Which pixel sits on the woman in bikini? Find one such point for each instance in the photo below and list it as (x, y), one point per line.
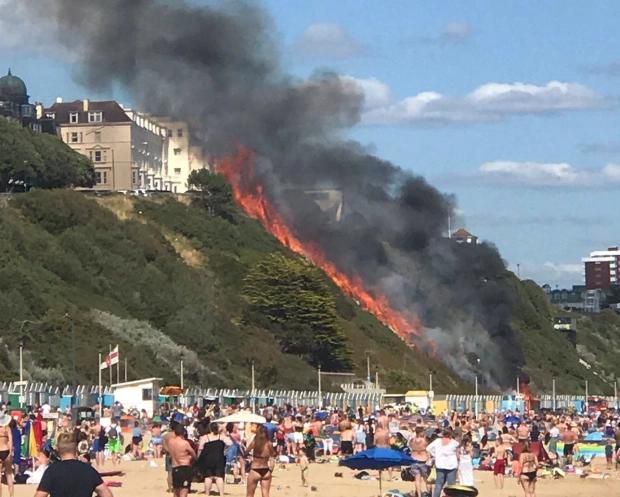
(260, 470)
(529, 466)
(6, 453)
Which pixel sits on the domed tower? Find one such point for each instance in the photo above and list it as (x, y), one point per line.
(13, 89)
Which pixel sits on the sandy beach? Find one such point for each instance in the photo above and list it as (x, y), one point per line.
(141, 480)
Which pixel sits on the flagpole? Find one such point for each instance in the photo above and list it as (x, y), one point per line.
(125, 370)
(100, 394)
(110, 365)
(118, 364)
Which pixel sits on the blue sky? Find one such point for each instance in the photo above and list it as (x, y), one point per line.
(511, 105)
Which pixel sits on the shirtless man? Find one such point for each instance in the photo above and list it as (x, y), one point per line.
(499, 469)
(382, 439)
(346, 438)
(181, 455)
(569, 437)
(523, 433)
(419, 469)
(506, 437)
(382, 436)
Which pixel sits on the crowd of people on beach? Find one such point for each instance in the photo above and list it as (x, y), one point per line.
(193, 446)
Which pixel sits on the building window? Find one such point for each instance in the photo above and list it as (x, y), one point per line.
(177, 151)
(74, 138)
(180, 132)
(149, 182)
(98, 155)
(147, 394)
(134, 177)
(101, 177)
(175, 188)
(169, 133)
(95, 117)
(177, 170)
(74, 117)
(97, 136)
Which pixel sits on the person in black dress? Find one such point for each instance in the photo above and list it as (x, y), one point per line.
(212, 461)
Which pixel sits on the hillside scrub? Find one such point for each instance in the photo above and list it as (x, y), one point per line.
(72, 267)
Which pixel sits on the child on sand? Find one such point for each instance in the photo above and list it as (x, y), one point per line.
(303, 466)
(609, 453)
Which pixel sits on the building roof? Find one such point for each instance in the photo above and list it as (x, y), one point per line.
(112, 112)
(461, 233)
(13, 88)
(136, 382)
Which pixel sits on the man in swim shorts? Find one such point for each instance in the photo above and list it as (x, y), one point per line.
(181, 455)
(419, 469)
(499, 468)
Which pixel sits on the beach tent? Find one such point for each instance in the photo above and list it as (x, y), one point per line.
(595, 436)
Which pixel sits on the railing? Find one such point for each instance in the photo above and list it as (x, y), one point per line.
(87, 395)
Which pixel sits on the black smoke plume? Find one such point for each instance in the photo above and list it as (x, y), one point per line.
(217, 66)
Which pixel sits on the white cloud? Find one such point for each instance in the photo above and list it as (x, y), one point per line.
(563, 274)
(610, 69)
(563, 269)
(495, 219)
(376, 93)
(330, 41)
(549, 175)
(488, 102)
(453, 33)
(612, 172)
(606, 148)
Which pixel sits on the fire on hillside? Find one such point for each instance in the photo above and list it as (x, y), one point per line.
(238, 169)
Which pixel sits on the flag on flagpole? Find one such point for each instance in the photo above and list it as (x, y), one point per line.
(111, 358)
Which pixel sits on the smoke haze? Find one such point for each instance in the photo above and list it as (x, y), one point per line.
(217, 67)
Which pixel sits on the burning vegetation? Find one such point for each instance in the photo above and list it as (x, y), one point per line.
(238, 169)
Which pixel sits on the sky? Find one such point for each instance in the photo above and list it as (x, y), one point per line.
(511, 106)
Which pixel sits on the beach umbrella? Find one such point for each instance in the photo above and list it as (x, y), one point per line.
(243, 417)
(377, 458)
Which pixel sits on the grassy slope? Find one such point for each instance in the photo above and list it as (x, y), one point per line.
(172, 276)
(158, 269)
(235, 248)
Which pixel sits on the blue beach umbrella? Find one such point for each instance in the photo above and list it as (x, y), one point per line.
(377, 458)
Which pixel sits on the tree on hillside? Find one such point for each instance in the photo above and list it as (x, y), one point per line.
(215, 192)
(29, 159)
(19, 159)
(294, 296)
(62, 165)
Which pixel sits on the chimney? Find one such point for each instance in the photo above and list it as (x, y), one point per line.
(39, 110)
(85, 105)
(58, 100)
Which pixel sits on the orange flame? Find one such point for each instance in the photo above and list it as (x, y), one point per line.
(239, 171)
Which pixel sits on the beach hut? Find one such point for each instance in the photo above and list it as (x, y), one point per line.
(138, 394)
